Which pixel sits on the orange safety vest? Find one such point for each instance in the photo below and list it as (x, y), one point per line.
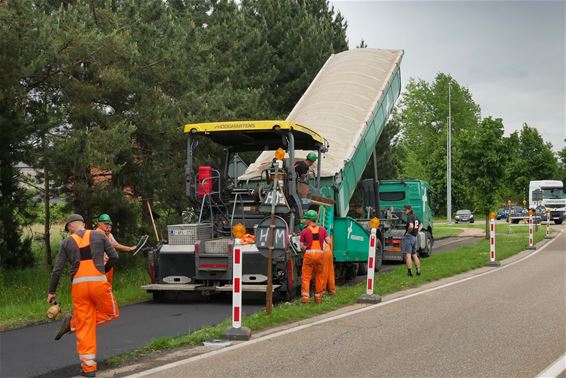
(316, 245)
(87, 271)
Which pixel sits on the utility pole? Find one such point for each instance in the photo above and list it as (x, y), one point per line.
(449, 160)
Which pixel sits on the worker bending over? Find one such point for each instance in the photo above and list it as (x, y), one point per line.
(91, 293)
(312, 239)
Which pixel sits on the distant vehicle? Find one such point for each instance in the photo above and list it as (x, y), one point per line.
(518, 214)
(549, 194)
(502, 214)
(464, 216)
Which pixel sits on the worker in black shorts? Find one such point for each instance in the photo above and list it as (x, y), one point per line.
(409, 241)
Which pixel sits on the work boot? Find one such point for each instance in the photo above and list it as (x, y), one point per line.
(305, 299)
(317, 299)
(88, 374)
(409, 273)
(65, 326)
(418, 271)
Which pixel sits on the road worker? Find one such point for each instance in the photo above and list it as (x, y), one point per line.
(302, 169)
(105, 225)
(312, 239)
(91, 293)
(328, 266)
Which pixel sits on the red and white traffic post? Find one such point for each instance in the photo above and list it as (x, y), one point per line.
(531, 236)
(237, 285)
(492, 261)
(547, 236)
(237, 332)
(369, 296)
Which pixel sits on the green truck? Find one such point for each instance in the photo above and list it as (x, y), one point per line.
(393, 195)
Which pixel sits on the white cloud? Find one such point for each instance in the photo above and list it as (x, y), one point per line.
(511, 55)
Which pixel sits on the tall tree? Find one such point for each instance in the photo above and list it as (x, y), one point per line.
(485, 164)
(530, 159)
(423, 116)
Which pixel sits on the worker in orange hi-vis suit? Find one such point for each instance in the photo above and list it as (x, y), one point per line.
(93, 301)
(312, 239)
(328, 266)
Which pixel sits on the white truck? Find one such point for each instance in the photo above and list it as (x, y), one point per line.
(548, 194)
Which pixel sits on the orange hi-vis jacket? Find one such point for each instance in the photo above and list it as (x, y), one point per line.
(93, 303)
(313, 262)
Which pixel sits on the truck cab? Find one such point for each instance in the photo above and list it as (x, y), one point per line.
(548, 194)
(393, 196)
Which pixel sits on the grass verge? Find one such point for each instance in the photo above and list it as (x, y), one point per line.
(436, 267)
(24, 292)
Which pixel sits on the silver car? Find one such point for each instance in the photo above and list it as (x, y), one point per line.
(464, 216)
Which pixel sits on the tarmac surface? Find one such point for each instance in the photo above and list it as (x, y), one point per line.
(31, 351)
(508, 321)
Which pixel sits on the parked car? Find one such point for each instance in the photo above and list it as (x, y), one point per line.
(502, 214)
(464, 216)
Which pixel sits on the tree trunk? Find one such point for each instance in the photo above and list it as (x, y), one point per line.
(486, 226)
(47, 225)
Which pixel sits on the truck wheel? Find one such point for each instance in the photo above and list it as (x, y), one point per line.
(558, 221)
(515, 221)
(378, 256)
(158, 296)
(362, 269)
(351, 271)
(427, 250)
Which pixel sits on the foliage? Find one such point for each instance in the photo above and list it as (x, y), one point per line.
(485, 162)
(530, 159)
(423, 114)
(96, 93)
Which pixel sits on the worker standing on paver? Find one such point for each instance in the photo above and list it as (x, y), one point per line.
(301, 169)
(312, 239)
(409, 241)
(93, 301)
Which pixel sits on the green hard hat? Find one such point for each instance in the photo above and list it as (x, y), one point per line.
(312, 156)
(105, 218)
(311, 215)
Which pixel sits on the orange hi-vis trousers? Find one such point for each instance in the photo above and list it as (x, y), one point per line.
(328, 273)
(312, 262)
(93, 304)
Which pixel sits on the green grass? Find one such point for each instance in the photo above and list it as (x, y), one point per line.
(444, 231)
(462, 259)
(24, 294)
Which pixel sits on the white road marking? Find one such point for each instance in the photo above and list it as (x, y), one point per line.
(555, 369)
(344, 315)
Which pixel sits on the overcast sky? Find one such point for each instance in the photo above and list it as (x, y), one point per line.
(511, 55)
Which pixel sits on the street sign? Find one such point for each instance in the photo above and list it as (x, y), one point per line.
(280, 236)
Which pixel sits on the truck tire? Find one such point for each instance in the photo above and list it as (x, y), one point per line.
(427, 250)
(158, 296)
(558, 221)
(515, 221)
(378, 256)
(362, 269)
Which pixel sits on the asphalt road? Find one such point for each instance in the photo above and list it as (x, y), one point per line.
(31, 351)
(508, 321)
